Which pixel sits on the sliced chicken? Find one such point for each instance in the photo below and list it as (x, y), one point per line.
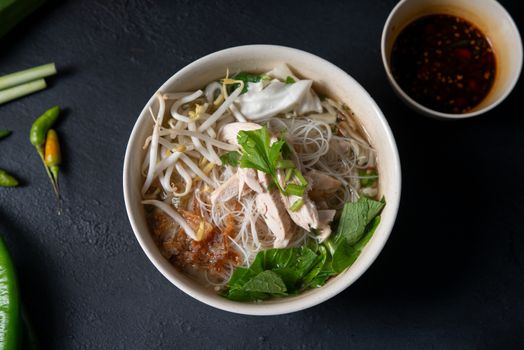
(276, 205)
(230, 131)
(323, 185)
(323, 233)
(248, 177)
(325, 217)
(307, 216)
(229, 189)
(270, 206)
(269, 202)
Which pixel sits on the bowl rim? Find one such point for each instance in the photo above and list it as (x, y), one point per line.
(434, 113)
(290, 305)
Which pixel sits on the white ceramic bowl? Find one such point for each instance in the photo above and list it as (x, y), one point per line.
(490, 17)
(330, 80)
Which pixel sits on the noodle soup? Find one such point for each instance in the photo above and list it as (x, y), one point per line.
(258, 187)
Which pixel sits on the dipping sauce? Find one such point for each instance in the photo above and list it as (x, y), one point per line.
(444, 63)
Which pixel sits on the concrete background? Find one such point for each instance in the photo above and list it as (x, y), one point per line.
(450, 277)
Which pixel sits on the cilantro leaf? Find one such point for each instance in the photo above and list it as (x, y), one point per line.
(259, 153)
(230, 158)
(246, 78)
(289, 80)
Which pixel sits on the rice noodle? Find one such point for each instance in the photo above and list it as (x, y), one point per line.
(183, 162)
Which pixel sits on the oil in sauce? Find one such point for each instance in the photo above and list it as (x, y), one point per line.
(444, 63)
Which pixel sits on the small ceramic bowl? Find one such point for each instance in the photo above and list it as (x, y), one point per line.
(329, 80)
(490, 17)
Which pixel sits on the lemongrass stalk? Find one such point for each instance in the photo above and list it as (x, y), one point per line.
(27, 75)
(21, 90)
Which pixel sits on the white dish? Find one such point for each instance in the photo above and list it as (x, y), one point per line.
(330, 80)
(490, 17)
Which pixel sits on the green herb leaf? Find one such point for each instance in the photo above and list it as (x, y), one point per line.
(246, 78)
(355, 217)
(296, 190)
(368, 177)
(289, 80)
(285, 164)
(301, 178)
(274, 272)
(266, 282)
(356, 226)
(318, 264)
(258, 152)
(289, 173)
(230, 158)
(344, 256)
(297, 205)
(240, 276)
(279, 272)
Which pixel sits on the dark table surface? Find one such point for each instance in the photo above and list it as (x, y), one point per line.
(451, 276)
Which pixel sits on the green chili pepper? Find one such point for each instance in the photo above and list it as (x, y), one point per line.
(10, 316)
(7, 180)
(37, 136)
(52, 154)
(4, 133)
(42, 125)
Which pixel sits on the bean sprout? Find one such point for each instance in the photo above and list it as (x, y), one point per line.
(183, 167)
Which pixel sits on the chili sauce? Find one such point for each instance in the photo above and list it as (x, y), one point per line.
(444, 63)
